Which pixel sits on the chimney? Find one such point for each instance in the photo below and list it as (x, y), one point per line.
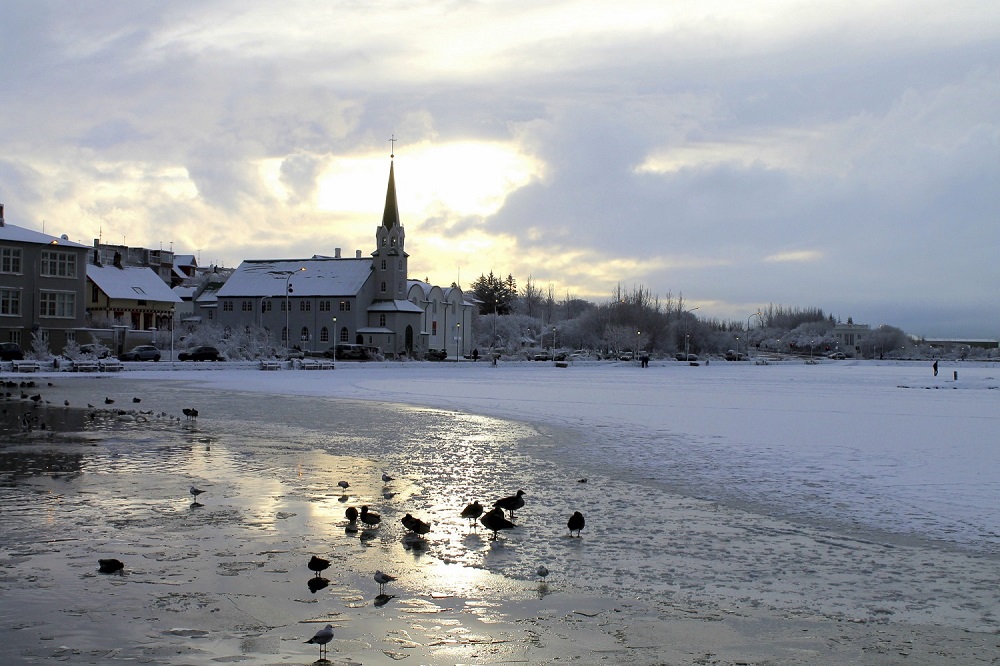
(118, 261)
(336, 252)
(357, 254)
(1, 215)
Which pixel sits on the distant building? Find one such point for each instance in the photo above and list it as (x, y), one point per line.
(325, 300)
(979, 343)
(849, 336)
(134, 296)
(42, 281)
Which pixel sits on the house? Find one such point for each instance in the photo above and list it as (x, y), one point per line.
(133, 296)
(317, 302)
(42, 283)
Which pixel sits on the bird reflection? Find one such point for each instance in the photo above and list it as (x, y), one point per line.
(317, 583)
(196, 504)
(383, 599)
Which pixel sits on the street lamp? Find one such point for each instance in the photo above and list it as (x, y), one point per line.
(687, 338)
(755, 314)
(458, 341)
(288, 289)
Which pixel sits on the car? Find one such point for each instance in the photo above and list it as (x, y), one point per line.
(100, 351)
(347, 352)
(733, 355)
(141, 353)
(837, 356)
(11, 351)
(681, 356)
(542, 356)
(200, 354)
(436, 355)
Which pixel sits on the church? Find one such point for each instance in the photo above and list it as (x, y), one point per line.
(315, 303)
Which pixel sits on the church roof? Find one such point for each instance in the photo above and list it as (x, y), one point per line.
(390, 217)
(395, 306)
(323, 276)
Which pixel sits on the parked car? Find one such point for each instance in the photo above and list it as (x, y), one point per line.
(680, 356)
(733, 355)
(200, 354)
(625, 356)
(436, 355)
(10, 351)
(141, 353)
(837, 356)
(347, 352)
(100, 351)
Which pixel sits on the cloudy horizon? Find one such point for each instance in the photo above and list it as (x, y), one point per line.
(844, 156)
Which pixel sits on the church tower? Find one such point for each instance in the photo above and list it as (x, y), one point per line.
(390, 256)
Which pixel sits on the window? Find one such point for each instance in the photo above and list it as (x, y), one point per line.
(141, 301)
(15, 337)
(305, 306)
(10, 260)
(58, 264)
(381, 320)
(324, 306)
(10, 302)
(70, 336)
(345, 306)
(393, 241)
(434, 328)
(383, 287)
(343, 334)
(383, 264)
(95, 293)
(324, 334)
(227, 306)
(283, 305)
(400, 265)
(304, 334)
(284, 334)
(57, 304)
(384, 241)
(265, 306)
(247, 306)
(211, 314)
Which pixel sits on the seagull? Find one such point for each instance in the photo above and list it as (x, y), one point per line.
(472, 512)
(542, 571)
(383, 579)
(494, 522)
(416, 525)
(322, 637)
(351, 514)
(318, 564)
(344, 485)
(386, 478)
(576, 523)
(369, 518)
(110, 565)
(195, 492)
(511, 504)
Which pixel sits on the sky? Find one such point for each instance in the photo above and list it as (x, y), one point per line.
(844, 155)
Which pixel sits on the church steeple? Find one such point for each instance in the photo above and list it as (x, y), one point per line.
(390, 217)
(389, 256)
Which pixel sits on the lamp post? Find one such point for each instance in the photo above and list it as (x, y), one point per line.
(288, 287)
(335, 339)
(755, 314)
(687, 338)
(459, 343)
(638, 344)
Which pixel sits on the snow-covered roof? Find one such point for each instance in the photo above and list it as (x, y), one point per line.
(323, 276)
(184, 293)
(10, 232)
(131, 282)
(394, 306)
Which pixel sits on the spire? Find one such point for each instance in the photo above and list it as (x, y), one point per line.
(390, 218)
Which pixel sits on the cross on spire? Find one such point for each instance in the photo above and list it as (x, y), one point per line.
(392, 146)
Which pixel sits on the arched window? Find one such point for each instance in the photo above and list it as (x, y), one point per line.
(393, 241)
(383, 264)
(343, 334)
(284, 334)
(383, 287)
(304, 334)
(305, 306)
(324, 334)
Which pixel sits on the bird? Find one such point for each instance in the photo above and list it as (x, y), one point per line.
(576, 523)
(386, 478)
(382, 579)
(109, 401)
(472, 512)
(322, 637)
(344, 485)
(351, 514)
(511, 504)
(369, 518)
(110, 565)
(195, 492)
(136, 399)
(542, 571)
(190, 412)
(584, 480)
(317, 583)
(318, 564)
(416, 525)
(494, 521)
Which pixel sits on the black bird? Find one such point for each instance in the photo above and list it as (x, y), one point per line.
(351, 514)
(494, 522)
(109, 401)
(110, 565)
(472, 512)
(369, 518)
(136, 399)
(190, 412)
(576, 523)
(416, 525)
(511, 504)
(37, 398)
(318, 564)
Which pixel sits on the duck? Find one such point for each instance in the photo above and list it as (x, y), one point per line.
(369, 518)
(416, 525)
(576, 523)
(318, 564)
(472, 512)
(494, 521)
(511, 504)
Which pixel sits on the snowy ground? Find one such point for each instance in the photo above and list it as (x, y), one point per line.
(754, 514)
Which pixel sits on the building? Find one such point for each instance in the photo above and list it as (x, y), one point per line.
(315, 303)
(850, 336)
(134, 296)
(42, 282)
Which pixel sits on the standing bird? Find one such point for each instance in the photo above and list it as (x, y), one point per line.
(511, 504)
(318, 564)
(494, 522)
(344, 485)
(322, 637)
(416, 525)
(351, 514)
(542, 571)
(386, 478)
(576, 523)
(190, 412)
(110, 565)
(195, 492)
(472, 512)
(369, 518)
(383, 579)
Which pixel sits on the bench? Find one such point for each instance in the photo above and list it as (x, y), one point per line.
(270, 365)
(111, 366)
(26, 366)
(316, 364)
(85, 366)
